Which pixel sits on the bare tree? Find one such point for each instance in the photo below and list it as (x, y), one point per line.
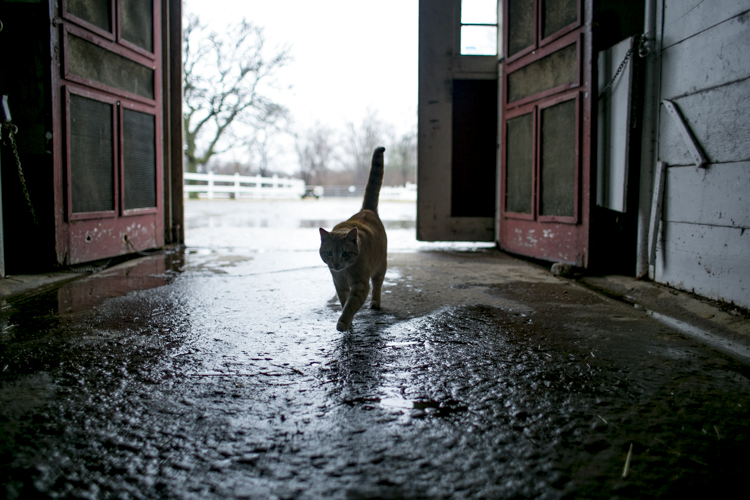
(226, 78)
(315, 149)
(359, 143)
(403, 156)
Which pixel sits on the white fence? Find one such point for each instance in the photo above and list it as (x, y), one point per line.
(213, 186)
(240, 186)
(399, 193)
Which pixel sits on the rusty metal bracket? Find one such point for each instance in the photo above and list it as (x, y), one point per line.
(687, 136)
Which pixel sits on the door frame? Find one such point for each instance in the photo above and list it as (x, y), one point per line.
(440, 63)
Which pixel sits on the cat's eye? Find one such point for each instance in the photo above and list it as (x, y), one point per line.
(345, 254)
(330, 254)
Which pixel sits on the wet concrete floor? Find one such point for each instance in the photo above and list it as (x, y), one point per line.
(217, 372)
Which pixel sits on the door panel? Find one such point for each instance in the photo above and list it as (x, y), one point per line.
(546, 75)
(138, 160)
(95, 15)
(92, 156)
(136, 19)
(558, 160)
(521, 33)
(519, 165)
(546, 125)
(558, 17)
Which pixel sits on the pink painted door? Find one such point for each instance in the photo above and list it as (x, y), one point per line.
(546, 131)
(107, 104)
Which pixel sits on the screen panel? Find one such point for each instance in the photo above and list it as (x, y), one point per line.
(551, 71)
(519, 164)
(95, 63)
(557, 163)
(137, 22)
(96, 12)
(139, 159)
(521, 25)
(91, 155)
(558, 14)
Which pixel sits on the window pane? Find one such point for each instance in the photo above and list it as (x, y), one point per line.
(100, 65)
(478, 11)
(478, 40)
(139, 159)
(520, 25)
(556, 69)
(558, 161)
(519, 164)
(91, 155)
(558, 14)
(97, 12)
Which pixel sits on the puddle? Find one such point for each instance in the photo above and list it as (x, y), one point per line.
(400, 344)
(140, 274)
(425, 407)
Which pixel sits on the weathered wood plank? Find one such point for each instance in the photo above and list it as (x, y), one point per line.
(710, 261)
(718, 119)
(718, 195)
(685, 18)
(713, 57)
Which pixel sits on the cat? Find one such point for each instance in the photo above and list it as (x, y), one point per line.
(356, 250)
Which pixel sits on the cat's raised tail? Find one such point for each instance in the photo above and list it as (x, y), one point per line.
(372, 191)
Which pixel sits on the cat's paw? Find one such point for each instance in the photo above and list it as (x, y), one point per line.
(342, 325)
(374, 305)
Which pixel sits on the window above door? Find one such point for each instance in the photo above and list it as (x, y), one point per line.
(479, 28)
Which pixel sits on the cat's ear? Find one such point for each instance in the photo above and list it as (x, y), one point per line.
(352, 235)
(324, 234)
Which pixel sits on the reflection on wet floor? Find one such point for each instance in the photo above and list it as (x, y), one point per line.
(139, 274)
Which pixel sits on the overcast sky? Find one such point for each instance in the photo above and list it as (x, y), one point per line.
(348, 55)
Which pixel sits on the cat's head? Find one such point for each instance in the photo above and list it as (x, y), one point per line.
(338, 250)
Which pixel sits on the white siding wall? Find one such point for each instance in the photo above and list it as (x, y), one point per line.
(705, 238)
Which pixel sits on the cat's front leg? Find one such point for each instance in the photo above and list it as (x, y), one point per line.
(357, 297)
(343, 293)
(377, 285)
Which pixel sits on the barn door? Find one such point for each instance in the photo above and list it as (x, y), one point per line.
(457, 120)
(546, 130)
(108, 106)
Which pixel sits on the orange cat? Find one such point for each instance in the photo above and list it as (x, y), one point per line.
(356, 250)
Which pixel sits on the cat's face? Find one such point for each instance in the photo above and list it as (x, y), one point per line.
(337, 250)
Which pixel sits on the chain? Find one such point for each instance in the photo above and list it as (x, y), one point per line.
(642, 52)
(10, 140)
